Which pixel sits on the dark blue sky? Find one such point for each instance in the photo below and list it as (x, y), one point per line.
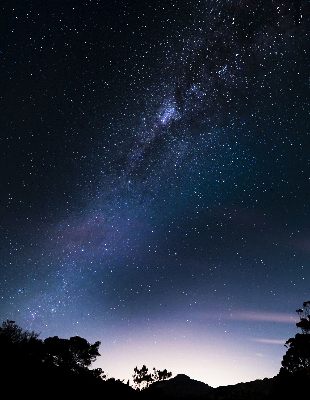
(155, 180)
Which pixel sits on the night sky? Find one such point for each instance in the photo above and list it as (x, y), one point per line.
(155, 179)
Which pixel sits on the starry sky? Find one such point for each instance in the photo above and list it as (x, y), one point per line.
(155, 179)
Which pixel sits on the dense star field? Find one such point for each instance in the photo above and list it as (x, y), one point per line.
(155, 179)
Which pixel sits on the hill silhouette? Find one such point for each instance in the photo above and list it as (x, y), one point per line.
(253, 390)
(181, 386)
(184, 388)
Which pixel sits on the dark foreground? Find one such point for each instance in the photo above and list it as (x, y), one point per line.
(21, 380)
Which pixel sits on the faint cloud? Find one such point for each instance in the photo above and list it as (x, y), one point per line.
(302, 243)
(263, 317)
(255, 316)
(270, 341)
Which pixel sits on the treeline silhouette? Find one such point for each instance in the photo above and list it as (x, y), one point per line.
(61, 367)
(52, 367)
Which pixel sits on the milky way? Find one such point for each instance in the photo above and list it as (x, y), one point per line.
(155, 175)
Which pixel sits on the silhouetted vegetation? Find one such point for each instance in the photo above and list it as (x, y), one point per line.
(54, 367)
(61, 367)
(142, 379)
(75, 353)
(294, 376)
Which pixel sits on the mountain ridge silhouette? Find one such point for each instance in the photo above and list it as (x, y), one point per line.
(183, 387)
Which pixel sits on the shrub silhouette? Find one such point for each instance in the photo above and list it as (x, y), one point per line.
(142, 379)
(75, 354)
(61, 366)
(294, 376)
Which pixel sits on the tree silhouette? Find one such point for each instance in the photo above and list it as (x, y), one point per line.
(142, 379)
(58, 365)
(16, 342)
(160, 375)
(294, 375)
(74, 353)
(297, 357)
(15, 334)
(304, 315)
(99, 373)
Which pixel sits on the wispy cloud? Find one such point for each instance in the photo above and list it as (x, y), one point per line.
(270, 341)
(263, 316)
(252, 316)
